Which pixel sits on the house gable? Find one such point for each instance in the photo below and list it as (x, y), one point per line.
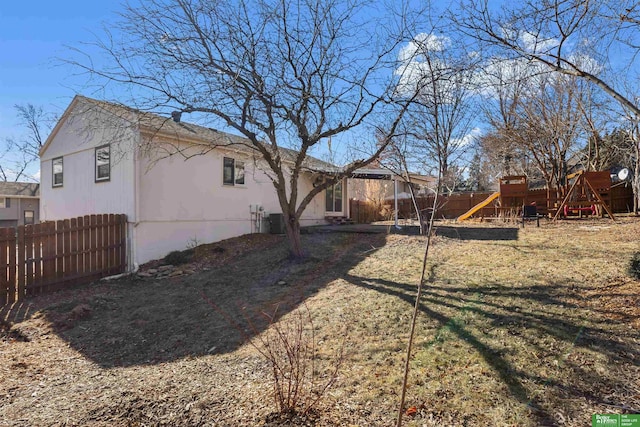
(74, 190)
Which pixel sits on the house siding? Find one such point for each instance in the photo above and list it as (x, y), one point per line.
(13, 216)
(80, 194)
(9, 216)
(185, 201)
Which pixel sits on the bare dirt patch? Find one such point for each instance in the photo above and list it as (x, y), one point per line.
(534, 326)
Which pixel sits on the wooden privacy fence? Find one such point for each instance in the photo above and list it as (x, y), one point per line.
(54, 255)
(453, 205)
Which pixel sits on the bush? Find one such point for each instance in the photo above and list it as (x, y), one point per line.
(634, 265)
(299, 376)
(178, 257)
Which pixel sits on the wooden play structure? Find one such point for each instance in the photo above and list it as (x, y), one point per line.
(586, 193)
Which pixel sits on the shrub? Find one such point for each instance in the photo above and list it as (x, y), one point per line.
(634, 265)
(178, 257)
(289, 348)
(299, 376)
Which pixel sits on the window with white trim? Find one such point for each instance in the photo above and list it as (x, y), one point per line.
(57, 172)
(232, 171)
(4, 202)
(103, 163)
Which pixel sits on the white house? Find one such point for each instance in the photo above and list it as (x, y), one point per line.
(105, 158)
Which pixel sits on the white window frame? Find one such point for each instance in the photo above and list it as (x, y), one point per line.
(3, 202)
(331, 191)
(99, 178)
(237, 172)
(53, 173)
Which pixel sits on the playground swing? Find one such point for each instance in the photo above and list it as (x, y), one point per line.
(586, 194)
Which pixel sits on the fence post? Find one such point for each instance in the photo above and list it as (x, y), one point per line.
(28, 260)
(59, 253)
(37, 257)
(4, 257)
(73, 249)
(20, 259)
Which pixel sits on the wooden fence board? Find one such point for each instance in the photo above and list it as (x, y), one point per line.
(29, 258)
(20, 260)
(111, 245)
(122, 247)
(4, 258)
(53, 255)
(86, 245)
(13, 265)
(73, 247)
(99, 243)
(37, 256)
(93, 230)
(59, 254)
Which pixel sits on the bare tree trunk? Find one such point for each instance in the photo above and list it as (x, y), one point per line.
(636, 181)
(292, 227)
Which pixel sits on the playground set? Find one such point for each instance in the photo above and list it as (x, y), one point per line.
(586, 194)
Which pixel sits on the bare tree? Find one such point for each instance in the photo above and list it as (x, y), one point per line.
(439, 123)
(283, 74)
(21, 153)
(572, 37)
(632, 150)
(537, 120)
(503, 83)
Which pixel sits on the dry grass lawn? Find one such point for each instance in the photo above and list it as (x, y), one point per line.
(522, 327)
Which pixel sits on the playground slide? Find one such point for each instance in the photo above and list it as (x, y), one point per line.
(479, 206)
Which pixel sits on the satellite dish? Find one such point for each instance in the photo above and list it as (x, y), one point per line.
(623, 174)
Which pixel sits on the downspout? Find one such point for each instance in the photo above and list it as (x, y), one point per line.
(136, 205)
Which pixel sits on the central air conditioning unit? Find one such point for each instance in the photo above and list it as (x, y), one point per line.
(276, 223)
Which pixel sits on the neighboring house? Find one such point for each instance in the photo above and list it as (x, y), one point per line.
(19, 203)
(105, 158)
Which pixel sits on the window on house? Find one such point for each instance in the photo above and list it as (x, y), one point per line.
(57, 171)
(233, 171)
(4, 202)
(29, 217)
(334, 198)
(103, 163)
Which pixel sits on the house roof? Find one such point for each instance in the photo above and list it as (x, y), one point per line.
(23, 189)
(155, 125)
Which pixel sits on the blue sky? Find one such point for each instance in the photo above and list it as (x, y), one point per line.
(32, 35)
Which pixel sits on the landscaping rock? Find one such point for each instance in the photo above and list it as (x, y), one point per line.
(165, 267)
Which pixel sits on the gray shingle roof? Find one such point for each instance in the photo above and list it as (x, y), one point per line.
(189, 131)
(8, 189)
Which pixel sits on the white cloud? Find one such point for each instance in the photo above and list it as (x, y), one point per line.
(422, 44)
(469, 138)
(422, 59)
(586, 63)
(534, 43)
